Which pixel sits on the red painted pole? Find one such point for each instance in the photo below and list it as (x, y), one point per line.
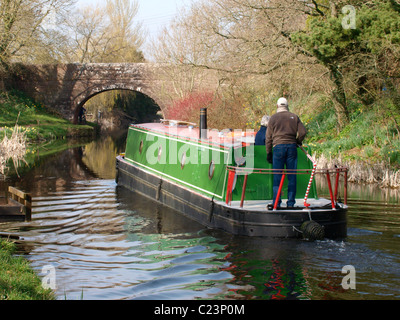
(243, 190)
(337, 184)
(231, 178)
(278, 196)
(330, 189)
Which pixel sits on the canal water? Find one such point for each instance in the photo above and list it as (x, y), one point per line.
(99, 241)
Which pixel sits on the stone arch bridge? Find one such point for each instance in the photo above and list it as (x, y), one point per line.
(64, 88)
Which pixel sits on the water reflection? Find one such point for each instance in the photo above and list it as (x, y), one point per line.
(271, 269)
(108, 243)
(99, 156)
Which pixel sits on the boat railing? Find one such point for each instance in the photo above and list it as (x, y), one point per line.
(338, 171)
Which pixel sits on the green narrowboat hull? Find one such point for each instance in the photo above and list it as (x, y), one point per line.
(191, 175)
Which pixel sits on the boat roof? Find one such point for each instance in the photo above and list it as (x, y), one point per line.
(226, 138)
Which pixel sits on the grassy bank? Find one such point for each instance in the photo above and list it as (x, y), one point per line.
(372, 134)
(17, 279)
(37, 123)
(369, 144)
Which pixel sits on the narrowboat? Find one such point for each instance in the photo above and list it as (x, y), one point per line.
(222, 180)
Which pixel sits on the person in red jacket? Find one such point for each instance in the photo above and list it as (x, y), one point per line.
(285, 131)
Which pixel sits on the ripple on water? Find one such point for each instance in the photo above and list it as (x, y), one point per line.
(103, 249)
(107, 243)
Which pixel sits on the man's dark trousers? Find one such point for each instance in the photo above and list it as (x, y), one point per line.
(285, 154)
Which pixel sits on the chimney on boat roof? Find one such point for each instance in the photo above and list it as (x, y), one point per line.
(203, 123)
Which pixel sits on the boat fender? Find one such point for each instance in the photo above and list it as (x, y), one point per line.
(312, 230)
(158, 194)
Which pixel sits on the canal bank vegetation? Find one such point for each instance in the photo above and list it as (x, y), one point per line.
(35, 120)
(17, 279)
(369, 144)
(337, 62)
(28, 130)
(14, 148)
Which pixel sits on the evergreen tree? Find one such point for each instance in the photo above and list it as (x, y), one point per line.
(360, 45)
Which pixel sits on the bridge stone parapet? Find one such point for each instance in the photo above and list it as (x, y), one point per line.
(64, 88)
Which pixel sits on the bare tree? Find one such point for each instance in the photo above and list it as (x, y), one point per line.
(106, 34)
(127, 36)
(245, 36)
(87, 36)
(175, 45)
(247, 43)
(21, 26)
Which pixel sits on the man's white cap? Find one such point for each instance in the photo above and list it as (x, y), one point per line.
(282, 102)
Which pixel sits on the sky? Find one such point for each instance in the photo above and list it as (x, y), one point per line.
(154, 14)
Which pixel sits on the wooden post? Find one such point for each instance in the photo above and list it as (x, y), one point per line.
(28, 207)
(345, 187)
(23, 198)
(6, 192)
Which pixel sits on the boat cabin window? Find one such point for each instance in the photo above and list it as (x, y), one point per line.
(159, 153)
(183, 160)
(211, 170)
(141, 147)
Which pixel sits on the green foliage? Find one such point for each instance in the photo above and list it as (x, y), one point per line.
(36, 122)
(372, 134)
(391, 153)
(366, 56)
(326, 39)
(322, 125)
(376, 26)
(18, 281)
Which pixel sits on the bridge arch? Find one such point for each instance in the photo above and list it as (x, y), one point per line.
(65, 88)
(85, 97)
